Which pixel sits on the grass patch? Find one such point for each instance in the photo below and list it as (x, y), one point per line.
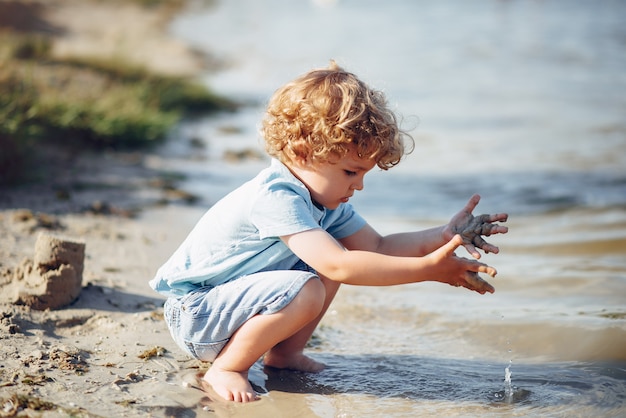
(85, 103)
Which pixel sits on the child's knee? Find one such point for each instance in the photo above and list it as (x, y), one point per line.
(313, 296)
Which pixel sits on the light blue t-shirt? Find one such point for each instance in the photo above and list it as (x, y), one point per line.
(239, 235)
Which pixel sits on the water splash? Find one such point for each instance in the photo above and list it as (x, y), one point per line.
(508, 386)
(507, 395)
(511, 394)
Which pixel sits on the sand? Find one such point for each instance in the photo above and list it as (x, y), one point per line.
(81, 333)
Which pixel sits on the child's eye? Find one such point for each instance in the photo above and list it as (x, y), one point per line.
(350, 173)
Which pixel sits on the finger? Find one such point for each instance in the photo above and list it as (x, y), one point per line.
(489, 248)
(472, 203)
(498, 229)
(487, 228)
(499, 217)
(479, 242)
(476, 283)
(491, 229)
(450, 246)
(494, 217)
(471, 249)
(476, 267)
(485, 221)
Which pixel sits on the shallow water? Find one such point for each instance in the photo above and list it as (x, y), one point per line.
(520, 101)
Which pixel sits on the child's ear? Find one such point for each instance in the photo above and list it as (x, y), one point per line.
(300, 161)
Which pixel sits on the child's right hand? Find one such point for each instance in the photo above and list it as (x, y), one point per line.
(459, 271)
(473, 228)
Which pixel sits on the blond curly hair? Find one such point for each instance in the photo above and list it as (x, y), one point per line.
(321, 114)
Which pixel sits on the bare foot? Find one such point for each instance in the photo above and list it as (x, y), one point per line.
(232, 386)
(295, 361)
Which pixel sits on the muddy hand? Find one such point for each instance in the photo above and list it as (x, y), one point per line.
(473, 228)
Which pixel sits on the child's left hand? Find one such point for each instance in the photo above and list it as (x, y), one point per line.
(472, 228)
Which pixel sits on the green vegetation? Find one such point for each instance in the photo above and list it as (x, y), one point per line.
(84, 103)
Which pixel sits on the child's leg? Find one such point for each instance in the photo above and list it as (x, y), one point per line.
(287, 354)
(228, 374)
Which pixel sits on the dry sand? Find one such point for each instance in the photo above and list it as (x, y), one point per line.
(108, 352)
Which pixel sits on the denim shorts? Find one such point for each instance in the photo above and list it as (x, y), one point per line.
(203, 321)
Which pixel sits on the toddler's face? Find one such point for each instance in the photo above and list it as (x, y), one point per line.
(331, 184)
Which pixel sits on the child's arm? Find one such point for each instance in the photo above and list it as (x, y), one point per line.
(420, 243)
(329, 258)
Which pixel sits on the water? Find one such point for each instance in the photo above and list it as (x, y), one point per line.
(521, 101)
(509, 390)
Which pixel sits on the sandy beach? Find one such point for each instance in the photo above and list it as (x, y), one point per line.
(108, 352)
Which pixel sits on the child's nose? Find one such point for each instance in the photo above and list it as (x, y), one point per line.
(358, 185)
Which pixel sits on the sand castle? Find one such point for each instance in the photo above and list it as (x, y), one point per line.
(54, 279)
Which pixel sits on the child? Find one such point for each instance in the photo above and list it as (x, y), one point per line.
(259, 270)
